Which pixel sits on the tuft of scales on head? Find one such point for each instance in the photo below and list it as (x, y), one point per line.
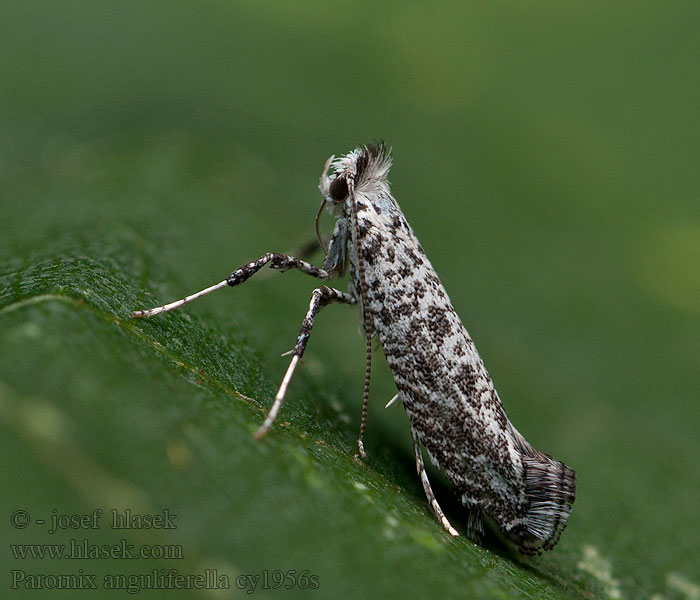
(365, 165)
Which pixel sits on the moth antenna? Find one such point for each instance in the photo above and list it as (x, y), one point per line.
(366, 317)
(318, 233)
(323, 186)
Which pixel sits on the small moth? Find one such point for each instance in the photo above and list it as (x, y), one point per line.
(452, 405)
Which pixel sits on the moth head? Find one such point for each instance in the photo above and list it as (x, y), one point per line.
(334, 187)
(338, 188)
(335, 191)
(361, 169)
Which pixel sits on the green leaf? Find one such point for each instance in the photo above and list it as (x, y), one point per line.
(103, 411)
(545, 154)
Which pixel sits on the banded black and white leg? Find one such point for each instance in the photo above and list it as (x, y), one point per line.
(281, 262)
(420, 467)
(320, 297)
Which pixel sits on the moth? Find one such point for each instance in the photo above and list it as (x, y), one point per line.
(454, 410)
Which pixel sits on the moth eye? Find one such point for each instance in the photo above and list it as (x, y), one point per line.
(339, 189)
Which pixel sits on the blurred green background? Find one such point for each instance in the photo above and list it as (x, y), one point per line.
(546, 154)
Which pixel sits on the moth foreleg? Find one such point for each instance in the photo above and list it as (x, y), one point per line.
(281, 262)
(320, 297)
(420, 467)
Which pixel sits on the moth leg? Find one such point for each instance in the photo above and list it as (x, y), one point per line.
(365, 395)
(429, 490)
(393, 399)
(320, 297)
(281, 262)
